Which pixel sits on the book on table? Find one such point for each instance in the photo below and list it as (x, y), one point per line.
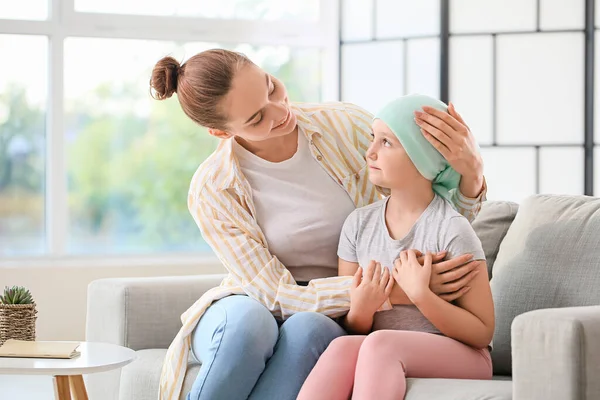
(39, 349)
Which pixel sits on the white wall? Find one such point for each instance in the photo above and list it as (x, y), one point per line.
(61, 292)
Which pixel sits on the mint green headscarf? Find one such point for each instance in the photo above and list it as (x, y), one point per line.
(399, 117)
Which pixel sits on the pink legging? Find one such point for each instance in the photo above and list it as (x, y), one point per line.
(376, 366)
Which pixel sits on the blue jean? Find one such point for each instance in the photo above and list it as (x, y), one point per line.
(247, 354)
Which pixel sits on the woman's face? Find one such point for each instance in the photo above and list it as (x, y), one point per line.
(389, 164)
(257, 107)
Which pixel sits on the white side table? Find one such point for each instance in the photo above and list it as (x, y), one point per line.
(68, 380)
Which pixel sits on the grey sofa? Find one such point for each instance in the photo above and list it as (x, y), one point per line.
(544, 266)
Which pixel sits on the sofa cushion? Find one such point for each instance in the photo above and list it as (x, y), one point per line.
(491, 226)
(458, 389)
(139, 381)
(549, 258)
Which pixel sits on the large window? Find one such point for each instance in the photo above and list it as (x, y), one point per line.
(23, 99)
(90, 164)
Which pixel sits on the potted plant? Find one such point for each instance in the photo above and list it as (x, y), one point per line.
(17, 314)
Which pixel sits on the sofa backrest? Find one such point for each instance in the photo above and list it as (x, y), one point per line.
(491, 226)
(549, 258)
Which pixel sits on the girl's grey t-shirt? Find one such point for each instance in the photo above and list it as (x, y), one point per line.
(365, 237)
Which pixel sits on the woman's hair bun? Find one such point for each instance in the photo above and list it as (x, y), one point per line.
(165, 74)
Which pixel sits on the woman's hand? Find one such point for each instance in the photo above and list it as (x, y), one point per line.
(370, 290)
(413, 277)
(451, 136)
(449, 278)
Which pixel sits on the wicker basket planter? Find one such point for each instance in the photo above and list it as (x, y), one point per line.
(17, 321)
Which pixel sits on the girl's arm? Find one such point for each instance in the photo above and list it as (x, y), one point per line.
(471, 320)
(346, 268)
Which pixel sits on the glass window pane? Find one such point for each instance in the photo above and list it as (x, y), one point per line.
(367, 82)
(423, 66)
(562, 14)
(24, 9)
(509, 172)
(357, 19)
(561, 170)
(23, 145)
(492, 15)
(131, 158)
(472, 83)
(232, 9)
(526, 65)
(400, 18)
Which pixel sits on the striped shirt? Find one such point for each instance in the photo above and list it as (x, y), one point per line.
(220, 200)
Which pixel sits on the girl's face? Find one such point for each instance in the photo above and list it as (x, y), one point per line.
(389, 165)
(257, 107)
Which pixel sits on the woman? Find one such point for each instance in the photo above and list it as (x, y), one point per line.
(271, 201)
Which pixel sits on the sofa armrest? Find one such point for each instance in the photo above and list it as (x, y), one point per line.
(556, 354)
(142, 313)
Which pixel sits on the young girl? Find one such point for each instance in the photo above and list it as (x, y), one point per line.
(423, 336)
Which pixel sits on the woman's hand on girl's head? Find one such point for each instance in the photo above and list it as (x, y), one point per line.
(451, 136)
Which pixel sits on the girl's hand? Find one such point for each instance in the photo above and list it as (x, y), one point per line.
(370, 290)
(451, 136)
(413, 277)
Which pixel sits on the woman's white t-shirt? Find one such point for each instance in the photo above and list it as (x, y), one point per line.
(300, 209)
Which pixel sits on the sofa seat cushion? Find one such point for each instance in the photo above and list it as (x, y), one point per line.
(139, 380)
(458, 389)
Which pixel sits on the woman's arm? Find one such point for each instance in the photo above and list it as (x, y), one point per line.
(449, 278)
(240, 245)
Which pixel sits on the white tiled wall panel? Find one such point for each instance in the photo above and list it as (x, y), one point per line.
(471, 83)
(562, 14)
(372, 73)
(540, 88)
(402, 18)
(561, 170)
(509, 172)
(492, 15)
(423, 66)
(357, 19)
